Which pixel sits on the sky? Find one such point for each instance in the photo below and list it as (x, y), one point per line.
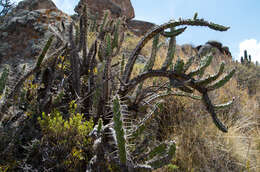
(240, 15)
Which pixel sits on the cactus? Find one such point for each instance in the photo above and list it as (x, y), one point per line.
(167, 152)
(177, 76)
(170, 52)
(195, 16)
(100, 125)
(119, 130)
(204, 63)
(104, 22)
(150, 63)
(44, 51)
(173, 32)
(3, 79)
(246, 59)
(245, 55)
(157, 157)
(221, 82)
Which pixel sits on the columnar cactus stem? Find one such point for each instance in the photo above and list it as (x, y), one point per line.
(170, 52)
(119, 130)
(3, 79)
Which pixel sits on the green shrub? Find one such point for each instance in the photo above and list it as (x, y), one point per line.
(69, 136)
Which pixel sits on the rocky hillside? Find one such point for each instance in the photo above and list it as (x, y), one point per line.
(100, 91)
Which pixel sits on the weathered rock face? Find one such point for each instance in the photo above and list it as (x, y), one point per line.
(117, 8)
(24, 33)
(139, 27)
(35, 5)
(127, 8)
(223, 49)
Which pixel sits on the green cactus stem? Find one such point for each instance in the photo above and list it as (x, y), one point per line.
(150, 63)
(173, 33)
(188, 64)
(211, 110)
(104, 22)
(119, 130)
(108, 45)
(44, 51)
(165, 158)
(179, 65)
(213, 77)
(204, 63)
(222, 82)
(170, 52)
(195, 16)
(3, 79)
(100, 125)
(116, 35)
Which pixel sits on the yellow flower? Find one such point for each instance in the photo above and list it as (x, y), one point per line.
(95, 70)
(61, 57)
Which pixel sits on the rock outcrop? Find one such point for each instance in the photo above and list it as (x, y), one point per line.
(117, 8)
(223, 49)
(26, 29)
(139, 27)
(34, 5)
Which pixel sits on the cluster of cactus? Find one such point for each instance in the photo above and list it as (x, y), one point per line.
(246, 59)
(126, 132)
(94, 83)
(129, 158)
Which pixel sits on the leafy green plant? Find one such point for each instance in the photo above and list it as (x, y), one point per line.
(70, 136)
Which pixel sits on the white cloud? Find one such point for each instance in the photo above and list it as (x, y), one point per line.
(253, 48)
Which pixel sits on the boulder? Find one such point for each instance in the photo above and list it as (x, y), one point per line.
(220, 47)
(117, 8)
(34, 5)
(216, 44)
(225, 50)
(26, 29)
(139, 27)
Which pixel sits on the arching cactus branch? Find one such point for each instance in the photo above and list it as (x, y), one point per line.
(159, 29)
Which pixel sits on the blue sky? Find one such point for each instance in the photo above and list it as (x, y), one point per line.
(242, 16)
